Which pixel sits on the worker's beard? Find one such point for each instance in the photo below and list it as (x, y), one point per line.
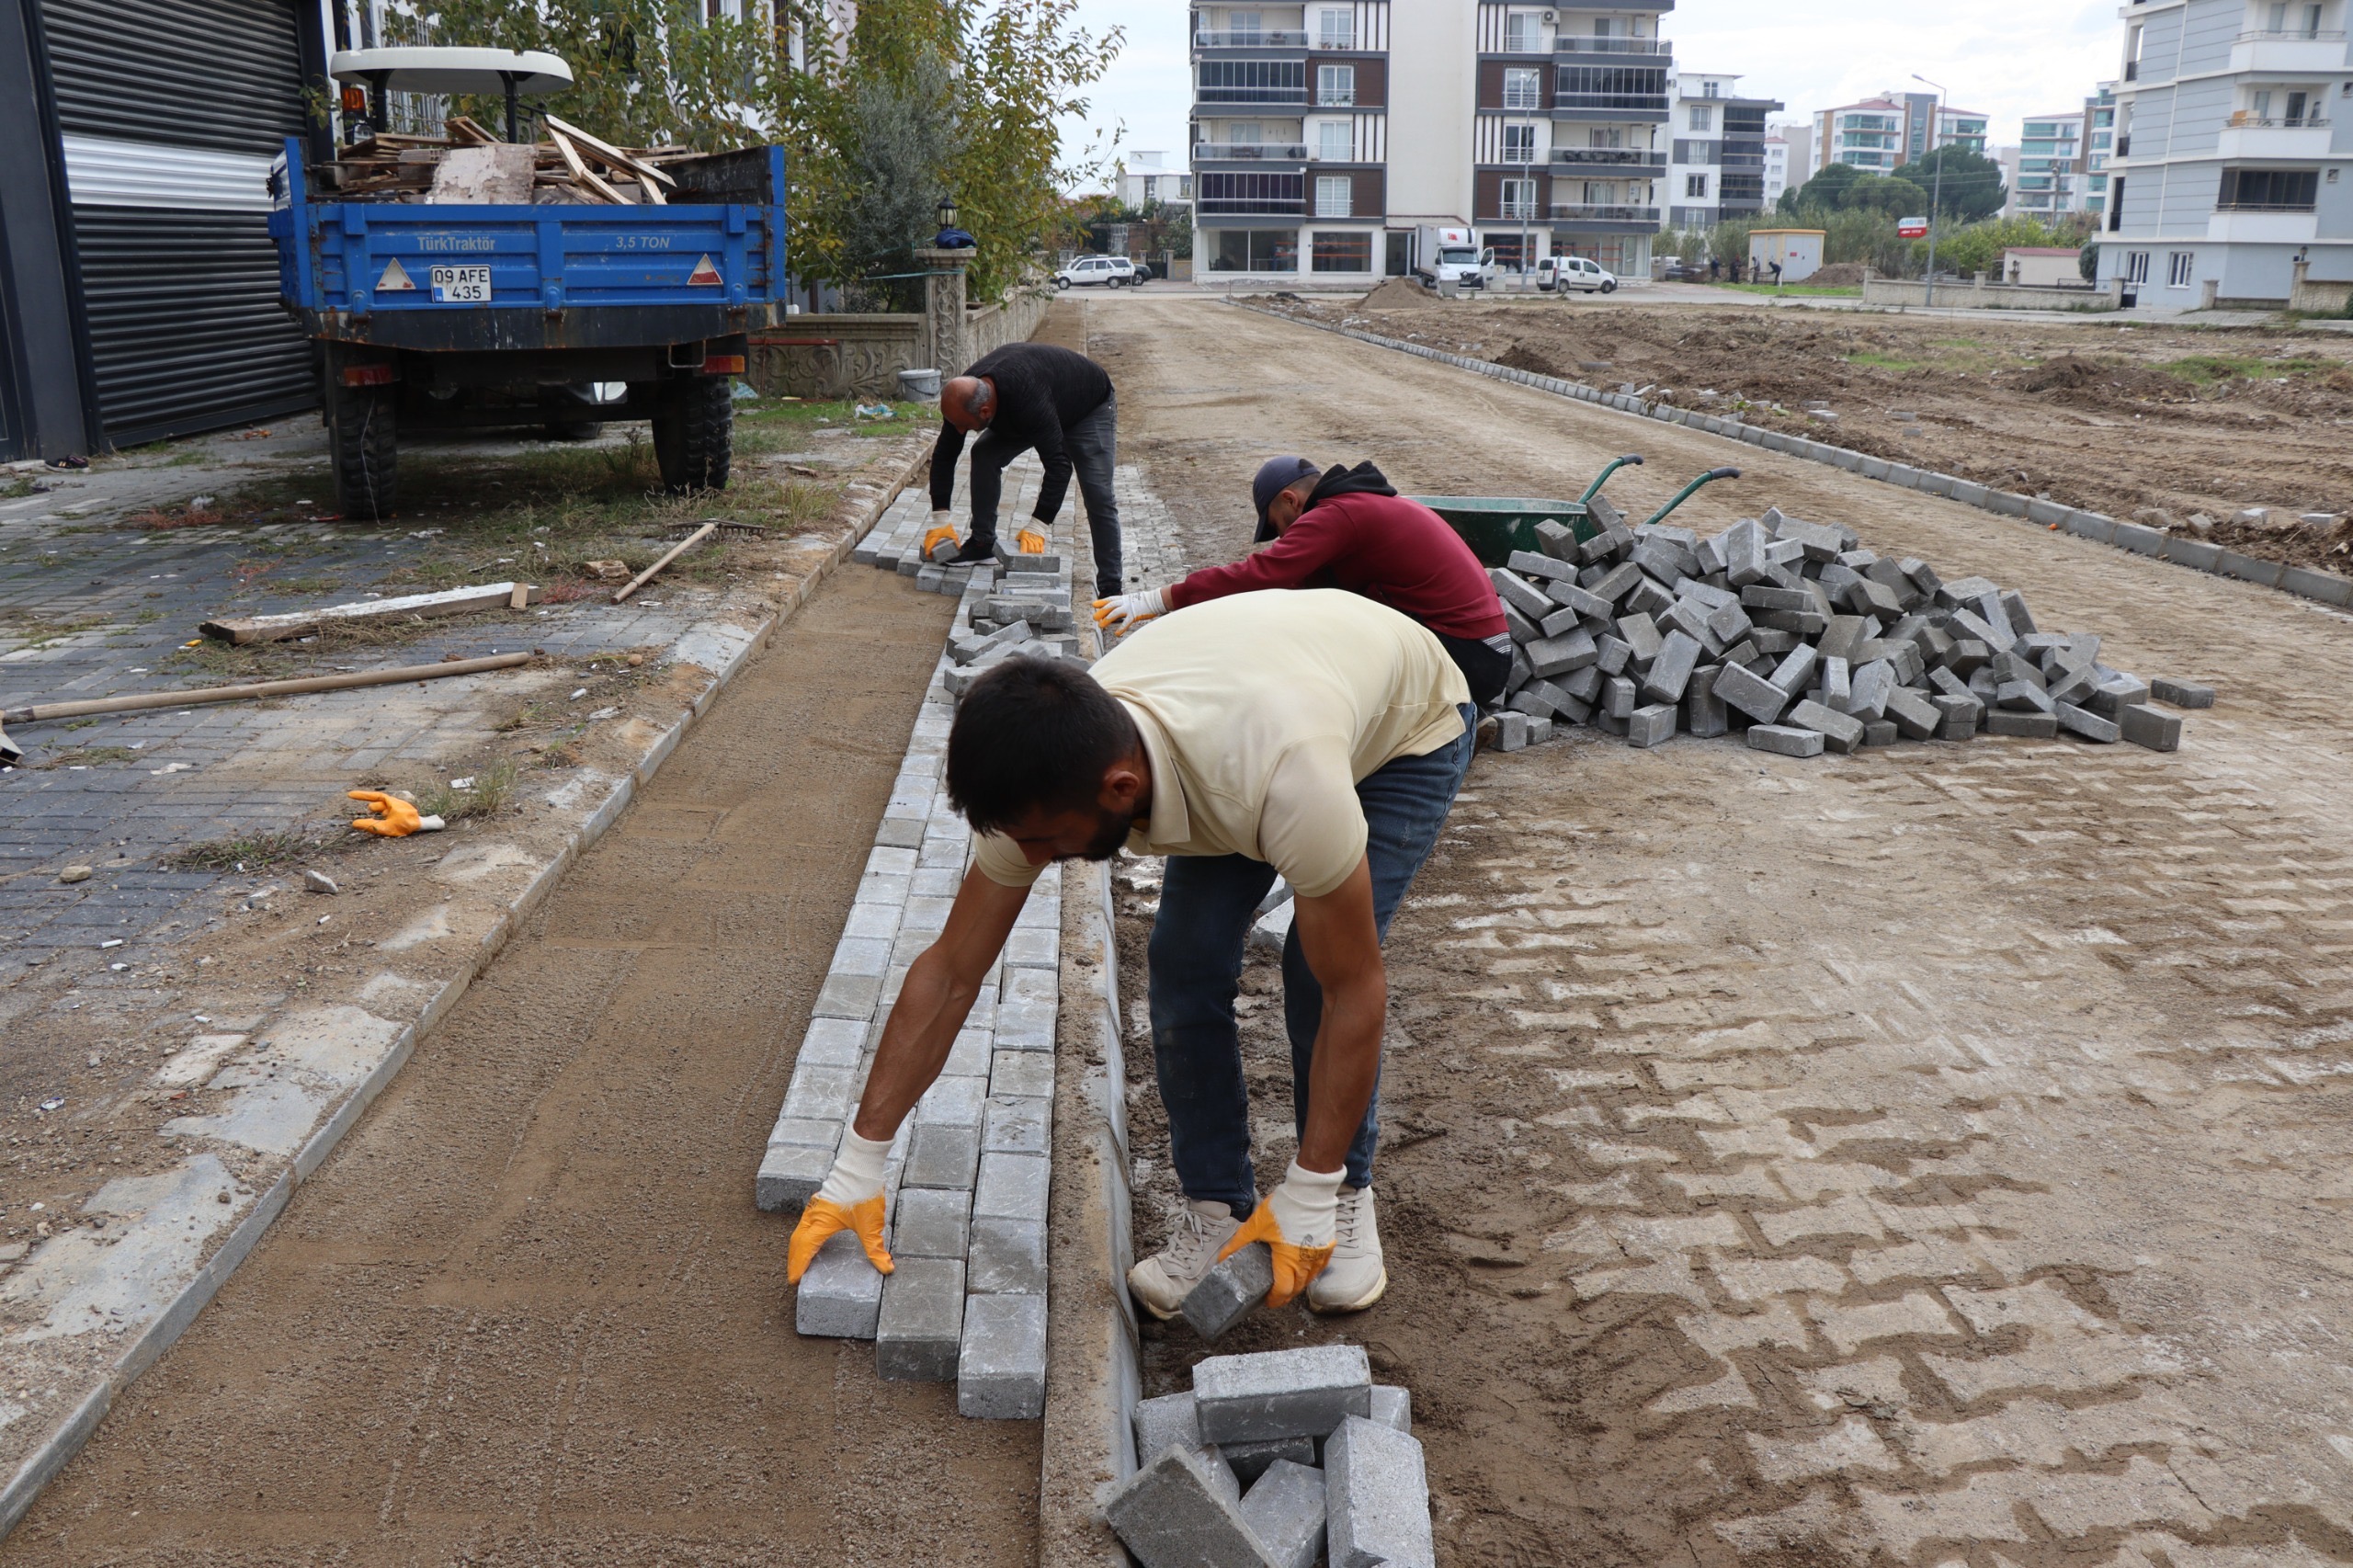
(1111, 830)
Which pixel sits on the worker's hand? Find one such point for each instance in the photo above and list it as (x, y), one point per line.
(1296, 1221)
(1030, 541)
(1122, 613)
(393, 818)
(850, 1200)
(941, 532)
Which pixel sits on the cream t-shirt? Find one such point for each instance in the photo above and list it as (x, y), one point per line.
(1259, 713)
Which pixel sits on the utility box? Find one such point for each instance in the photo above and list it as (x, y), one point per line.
(1799, 251)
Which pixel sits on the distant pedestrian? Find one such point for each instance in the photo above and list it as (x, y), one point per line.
(1715, 268)
(1777, 275)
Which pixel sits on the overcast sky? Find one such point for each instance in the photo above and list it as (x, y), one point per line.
(2009, 58)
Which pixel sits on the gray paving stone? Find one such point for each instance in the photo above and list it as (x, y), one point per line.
(942, 1157)
(952, 1102)
(1375, 1496)
(1840, 732)
(1281, 1394)
(2181, 693)
(789, 1175)
(930, 1222)
(1005, 1258)
(840, 1297)
(1017, 1124)
(1011, 1186)
(1001, 1370)
(1285, 1507)
(2034, 726)
(1158, 1422)
(1230, 1291)
(1392, 1406)
(1022, 1073)
(919, 1332)
(1183, 1509)
(1651, 726)
(1249, 1460)
(2089, 725)
(1784, 739)
(2147, 726)
(1752, 694)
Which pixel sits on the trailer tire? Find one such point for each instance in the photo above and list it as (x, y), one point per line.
(693, 437)
(363, 443)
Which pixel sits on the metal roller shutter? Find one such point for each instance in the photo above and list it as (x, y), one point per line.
(170, 112)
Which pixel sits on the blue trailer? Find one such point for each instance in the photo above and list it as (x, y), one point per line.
(559, 316)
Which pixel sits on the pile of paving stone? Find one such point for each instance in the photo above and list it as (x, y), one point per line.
(1793, 634)
(1278, 1460)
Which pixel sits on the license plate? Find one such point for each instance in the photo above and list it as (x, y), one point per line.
(461, 285)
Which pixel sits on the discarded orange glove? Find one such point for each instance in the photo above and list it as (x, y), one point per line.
(1030, 541)
(394, 818)
(851, 1200)
(1306, 1206)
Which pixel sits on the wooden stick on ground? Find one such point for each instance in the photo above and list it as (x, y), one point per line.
(449, 601)
(677, 550)
(34, 713)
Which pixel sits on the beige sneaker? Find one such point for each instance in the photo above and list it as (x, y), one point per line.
(1161, 1282)
(1354, 1278)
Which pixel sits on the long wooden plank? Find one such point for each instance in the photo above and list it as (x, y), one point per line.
(608, 152)
(33, 713)
(449, 601)
(589, 179)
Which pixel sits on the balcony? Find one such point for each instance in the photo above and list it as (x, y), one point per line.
(2288, 53)
(1566, 44)
(1251, 38)
(1611, 157)
(1649, 107)
(1616, 216)
(2256, 224)
(1250, 152)
(2256, 138)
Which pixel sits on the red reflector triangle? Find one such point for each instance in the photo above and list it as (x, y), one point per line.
(704, 272)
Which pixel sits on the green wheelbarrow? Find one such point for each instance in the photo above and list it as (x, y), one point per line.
(1495, 526)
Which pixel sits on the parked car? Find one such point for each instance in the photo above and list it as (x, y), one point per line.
(1572, 274)
(1109, 271)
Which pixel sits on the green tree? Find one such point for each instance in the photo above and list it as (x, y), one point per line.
(1972, 186)
(902, 140)
(1825, 192)
(1978, 248)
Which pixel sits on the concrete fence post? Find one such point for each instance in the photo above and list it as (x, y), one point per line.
(943, 308)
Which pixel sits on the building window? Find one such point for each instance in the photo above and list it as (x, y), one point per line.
(1518, 199)
(1342, 252)
(1333, 196)
(1255, 250)
(1335, 29)
(1335, 83)
(1332, 142)
(1242, 27)
(2269, 190)
(1234, 195)
(1520, 36)
(2136, 266)
(2178, 268)
(1696, 187)
(1703, 117)
(1520, 86)
(1253, 81)
(1519, 143)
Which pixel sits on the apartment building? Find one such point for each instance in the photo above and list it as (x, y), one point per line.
(1541, 127)
(2099, 145)
(2048, 179)
(1882, 134)
(1716, 152)
(1788, 157)
(2234, 130)
(1145, 179)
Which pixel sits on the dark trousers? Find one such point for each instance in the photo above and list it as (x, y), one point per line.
(1207, 902)
(1092, 444)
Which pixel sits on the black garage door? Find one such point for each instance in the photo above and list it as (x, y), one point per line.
(170, 111)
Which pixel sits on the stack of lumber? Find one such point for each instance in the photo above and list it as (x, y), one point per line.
(469, 164)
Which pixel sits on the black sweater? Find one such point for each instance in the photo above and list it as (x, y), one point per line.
(1040, 392)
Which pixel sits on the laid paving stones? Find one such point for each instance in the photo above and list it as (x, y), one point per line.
(1001, 1367)
(1793, 634)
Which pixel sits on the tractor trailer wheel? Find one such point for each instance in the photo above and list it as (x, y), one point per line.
(694, 435)
(362, 443)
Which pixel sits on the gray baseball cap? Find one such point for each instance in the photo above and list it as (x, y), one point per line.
(1274, 476)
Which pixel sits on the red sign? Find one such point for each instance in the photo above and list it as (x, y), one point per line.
(1911, 228)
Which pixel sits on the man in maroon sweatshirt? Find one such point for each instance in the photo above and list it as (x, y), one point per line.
(1349, 528)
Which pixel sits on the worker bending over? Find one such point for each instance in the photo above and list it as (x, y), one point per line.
(1029, 395)
(1349, 528)
(1317, 736)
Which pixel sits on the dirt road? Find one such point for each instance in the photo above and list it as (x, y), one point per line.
(2182, 422)
(1931, 1156)
(526, 1312)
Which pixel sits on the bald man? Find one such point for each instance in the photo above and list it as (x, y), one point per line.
(1024, 396)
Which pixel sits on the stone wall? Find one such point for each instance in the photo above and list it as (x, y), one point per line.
(1980, 295)
(842, 356)
(2321, 295)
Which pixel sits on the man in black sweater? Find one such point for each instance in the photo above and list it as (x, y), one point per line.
(1025, 395)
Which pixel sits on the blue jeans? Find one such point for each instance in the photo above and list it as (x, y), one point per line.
(1207, 902)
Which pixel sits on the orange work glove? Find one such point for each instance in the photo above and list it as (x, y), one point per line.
(942, 532)
(1030, 541)
(1296, 1221)
(394, 818)
(1122, 613)
(850, 1200)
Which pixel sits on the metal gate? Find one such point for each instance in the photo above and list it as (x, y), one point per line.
(170, 112)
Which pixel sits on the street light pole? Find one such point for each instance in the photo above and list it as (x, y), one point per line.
(1937, 191)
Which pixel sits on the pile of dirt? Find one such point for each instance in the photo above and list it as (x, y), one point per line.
(1399, 294)
(1520, 356)
(1837, 274)
(2075, 379)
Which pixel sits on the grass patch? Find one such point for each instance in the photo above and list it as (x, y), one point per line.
(1824, 290)
(253, 852)
(17, 489)
(493, 783)
(87, 757)
(2211, 370)
(1884, 361)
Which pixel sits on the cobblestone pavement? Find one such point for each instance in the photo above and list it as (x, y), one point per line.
(1937, 1155)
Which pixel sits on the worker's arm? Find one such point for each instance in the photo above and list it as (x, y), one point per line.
(944, 453)
(934, 1000)
(1309, 546)
(1045, 429)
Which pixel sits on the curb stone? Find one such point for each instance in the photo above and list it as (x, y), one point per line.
(2323, 588)
(39, 1467)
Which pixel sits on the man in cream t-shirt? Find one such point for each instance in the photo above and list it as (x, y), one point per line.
(1314, 736)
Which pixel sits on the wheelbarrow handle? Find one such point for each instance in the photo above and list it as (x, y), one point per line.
(1684, 493)
(1614, 465)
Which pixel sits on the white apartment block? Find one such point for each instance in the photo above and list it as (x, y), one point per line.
(2234, 132)
(1145, 179)
(1328, 134)
(1882, 134)
(1788, 157)
(1716, 152)
(2047, 180)
(2099, 145)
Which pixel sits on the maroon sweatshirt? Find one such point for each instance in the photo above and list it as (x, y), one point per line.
(1393, 550)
